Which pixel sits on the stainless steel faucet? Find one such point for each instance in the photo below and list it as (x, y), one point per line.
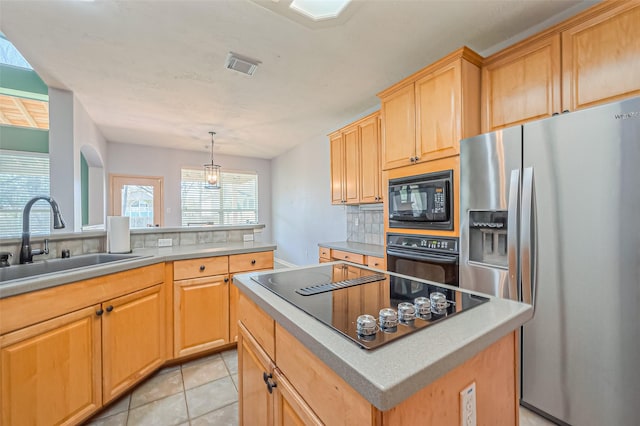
(26, 253)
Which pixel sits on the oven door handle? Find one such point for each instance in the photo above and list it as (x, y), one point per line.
(427, 257)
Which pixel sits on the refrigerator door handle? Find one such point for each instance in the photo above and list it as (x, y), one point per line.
(510, 291)
(528, 238)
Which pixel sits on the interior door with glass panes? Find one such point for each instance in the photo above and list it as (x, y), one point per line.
(139, 198)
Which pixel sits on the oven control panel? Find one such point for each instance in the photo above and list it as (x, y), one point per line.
(423, 242)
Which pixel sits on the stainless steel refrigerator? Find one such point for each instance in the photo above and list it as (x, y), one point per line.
(550, 213)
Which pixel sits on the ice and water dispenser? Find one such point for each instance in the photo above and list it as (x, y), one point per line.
(488, 237)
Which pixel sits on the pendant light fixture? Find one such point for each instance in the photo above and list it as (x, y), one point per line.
(212, 171)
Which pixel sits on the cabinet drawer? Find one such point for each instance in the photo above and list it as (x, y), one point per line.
(376, 262)
(258, 323)
(250, 261)
(324, 253)
(203, 267)
(348, 256)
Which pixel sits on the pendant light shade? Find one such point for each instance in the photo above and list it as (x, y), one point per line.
(212, 171)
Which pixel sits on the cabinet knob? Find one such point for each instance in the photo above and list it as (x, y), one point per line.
(266, 376)
(555, 113)
(109, 308)
(416, 158)
(253, 262)
(375, 264)
(226, 280)
(99, 312)
(202, 268)
(565, 111)
(411, 159)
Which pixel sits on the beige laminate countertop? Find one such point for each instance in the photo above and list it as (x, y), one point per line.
(147, 256)
(353, 247)
(388, 375)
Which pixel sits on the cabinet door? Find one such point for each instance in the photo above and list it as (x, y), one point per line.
(370, 171)
(50, 372)
(289, 407)
(439, 113)
(256, 403)
(133, 342)
(521, 84)
(601, 58)
(200, 314)
(351, 166)
(337, 168)
(398, 128)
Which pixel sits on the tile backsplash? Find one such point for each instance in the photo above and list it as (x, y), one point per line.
(365, 224)
(95, 241)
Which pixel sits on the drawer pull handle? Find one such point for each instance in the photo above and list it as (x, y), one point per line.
(270, 385)
(253, 262)
(202, 267)
(99, 312)
(109, 308)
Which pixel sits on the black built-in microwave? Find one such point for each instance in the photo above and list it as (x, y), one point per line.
(422, 202)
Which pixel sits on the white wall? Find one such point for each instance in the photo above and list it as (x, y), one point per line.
(303, 215)
(150, 161)
(64, 167)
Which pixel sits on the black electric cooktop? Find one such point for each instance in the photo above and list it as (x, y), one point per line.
(338, 294)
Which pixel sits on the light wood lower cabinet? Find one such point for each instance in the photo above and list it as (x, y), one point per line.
(267, 398)
(248, 262)
(50, 372)
(201, 314)
(62, 370)
(132, 339)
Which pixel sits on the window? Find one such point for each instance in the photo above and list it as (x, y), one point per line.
(235, 203)
(23, 175)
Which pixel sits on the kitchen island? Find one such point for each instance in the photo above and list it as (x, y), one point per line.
(295, 367)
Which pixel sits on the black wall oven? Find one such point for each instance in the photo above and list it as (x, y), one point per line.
(426, 257)
(422, 202)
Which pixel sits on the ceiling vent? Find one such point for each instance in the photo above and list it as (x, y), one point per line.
(241, 63)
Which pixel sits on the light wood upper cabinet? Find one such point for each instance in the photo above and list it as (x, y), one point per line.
(132, 339)
(589, 59)
(337, 168)
(370, 166)
(521, 84)
(50, 372)
(355, 162)
(398, 111)
(601, 57)
(345, 166)
(425, 115)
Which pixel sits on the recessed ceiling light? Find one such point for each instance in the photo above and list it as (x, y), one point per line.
(319, 9)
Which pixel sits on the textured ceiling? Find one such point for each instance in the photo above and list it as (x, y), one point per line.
(153, 72)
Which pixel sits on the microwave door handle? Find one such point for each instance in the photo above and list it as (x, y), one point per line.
(528, 254)
(510, 291)
(428, 258)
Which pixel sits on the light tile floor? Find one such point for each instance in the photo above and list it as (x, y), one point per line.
(200, 392)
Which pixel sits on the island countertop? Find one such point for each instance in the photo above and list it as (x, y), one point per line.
(144, 257)
(388, 375)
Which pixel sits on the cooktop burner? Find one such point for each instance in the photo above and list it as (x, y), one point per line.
(368, 307)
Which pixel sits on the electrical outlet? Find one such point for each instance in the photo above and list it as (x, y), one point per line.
(355, 221)
(468, 406)
(247, 237)
(165, 242)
